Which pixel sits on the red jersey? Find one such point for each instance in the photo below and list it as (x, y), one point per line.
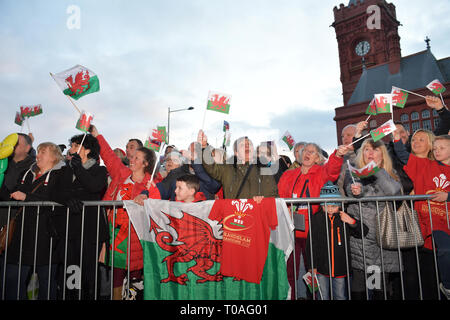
(246, 234)
(429, 177)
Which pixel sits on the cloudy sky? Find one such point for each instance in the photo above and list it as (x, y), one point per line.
(278, 60)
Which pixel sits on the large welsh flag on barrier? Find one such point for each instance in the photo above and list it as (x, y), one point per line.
(182, 248)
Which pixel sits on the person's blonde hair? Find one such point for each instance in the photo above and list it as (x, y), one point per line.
(431, 137)
(54, 149)
(386, 163)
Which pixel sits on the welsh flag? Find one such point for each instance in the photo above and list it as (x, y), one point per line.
(156, 138)
(383, 130)
(308, 280)
(219, 102)
(84, 122)
(226, 126)
(30, 111)
(372, 108)
(182, 247)
(436, 87)
(77, 81)
(18, 119)
(288, 139)
(383, 102)
(399, 97)
(369, 170)
(162, 130)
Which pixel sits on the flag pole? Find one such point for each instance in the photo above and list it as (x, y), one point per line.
(442, 99)
(358, 139)
(419, 95)
(348, 166)
(368, 118)
(163, 145)
(67, 96)
(28, 124)
(81, 144)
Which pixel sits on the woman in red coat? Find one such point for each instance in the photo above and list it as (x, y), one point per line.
(306, 182)
(126, 184)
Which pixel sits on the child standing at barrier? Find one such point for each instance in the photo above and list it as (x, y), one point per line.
(328, 243)
(431, 177)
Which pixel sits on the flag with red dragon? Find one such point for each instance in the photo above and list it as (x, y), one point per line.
(183, 253)
(77, 81)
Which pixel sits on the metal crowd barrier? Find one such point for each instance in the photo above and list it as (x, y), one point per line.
(103, 286)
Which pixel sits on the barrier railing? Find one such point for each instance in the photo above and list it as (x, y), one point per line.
(92, 279)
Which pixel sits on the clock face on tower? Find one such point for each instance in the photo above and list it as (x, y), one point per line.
(362, 48)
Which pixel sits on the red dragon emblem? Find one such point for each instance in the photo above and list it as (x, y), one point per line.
(219, 103)
(198, 244)
(80, 84)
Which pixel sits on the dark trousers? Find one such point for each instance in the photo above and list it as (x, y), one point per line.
(300, 248)
(12, 281)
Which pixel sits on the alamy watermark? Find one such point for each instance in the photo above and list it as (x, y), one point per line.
(74, 20)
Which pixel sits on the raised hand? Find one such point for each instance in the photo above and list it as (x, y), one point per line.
(434, 102)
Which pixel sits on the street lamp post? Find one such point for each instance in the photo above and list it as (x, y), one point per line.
(168, 118)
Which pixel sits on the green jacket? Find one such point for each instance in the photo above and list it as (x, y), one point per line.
(231, 177)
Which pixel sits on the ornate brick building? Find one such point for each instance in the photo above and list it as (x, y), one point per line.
(371, 62)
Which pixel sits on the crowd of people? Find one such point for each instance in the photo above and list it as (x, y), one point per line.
(337, 244)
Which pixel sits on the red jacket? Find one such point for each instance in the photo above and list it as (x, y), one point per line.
(308, 185)
(119, 173)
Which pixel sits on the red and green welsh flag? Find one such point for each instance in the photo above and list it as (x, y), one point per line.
(155, 139)
(287, 137)
(84, 122)
(384, 130)
(219, 102)
(30, 111)
(77, 81)
(372, 108)
(399, 97)
(182, 253)
(369, 170)
(383, 102)
(436, 87)
(18, 119)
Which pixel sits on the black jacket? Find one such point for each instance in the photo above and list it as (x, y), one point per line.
(47, 184)
(339, 241)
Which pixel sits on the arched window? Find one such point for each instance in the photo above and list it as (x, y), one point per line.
(415, 115)
(425, 114)
(426, 124)
(404, 117)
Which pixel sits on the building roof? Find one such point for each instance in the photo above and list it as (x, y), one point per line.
(416, 71)
(353, 2)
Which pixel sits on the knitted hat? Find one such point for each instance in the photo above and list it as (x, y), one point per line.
(329, 190)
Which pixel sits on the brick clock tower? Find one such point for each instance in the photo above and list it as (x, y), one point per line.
(370, 62)
(358, 45)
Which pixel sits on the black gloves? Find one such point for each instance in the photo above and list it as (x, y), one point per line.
(75, 205)
(75, 162)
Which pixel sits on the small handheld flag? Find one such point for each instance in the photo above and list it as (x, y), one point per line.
(369, 170)
(399, 97)
(18, 119)
(77, 81)
(372, 108)
(219, 102)
(155, 140)
(288, 139)
(382, 131)
(84, 122)
(30, 111)
(436, 87)
(383, 102)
